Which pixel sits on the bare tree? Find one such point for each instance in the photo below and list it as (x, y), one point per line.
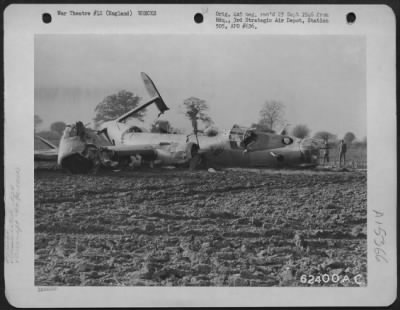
(116, 105)
(211, 131)
(301, 131)
(272, 113)
(349, 137)
(58, 127)
(195, 110)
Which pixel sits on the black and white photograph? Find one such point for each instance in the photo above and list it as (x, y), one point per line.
(177, 160)
(200, 155)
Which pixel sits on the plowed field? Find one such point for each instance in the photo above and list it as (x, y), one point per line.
(183, 228)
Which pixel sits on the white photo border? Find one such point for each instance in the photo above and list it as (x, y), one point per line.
(23, 21)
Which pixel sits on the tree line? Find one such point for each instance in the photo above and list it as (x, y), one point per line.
(272, 117)
(115, 105)
(196, 111)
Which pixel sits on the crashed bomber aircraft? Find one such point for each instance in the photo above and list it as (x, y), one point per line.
(116, 143)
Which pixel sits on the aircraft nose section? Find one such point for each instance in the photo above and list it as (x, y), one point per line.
(309, 149)
(71, 153)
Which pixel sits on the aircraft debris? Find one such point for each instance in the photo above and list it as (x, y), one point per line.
(118, 144)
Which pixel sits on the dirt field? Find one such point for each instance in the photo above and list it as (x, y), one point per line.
(176, 227)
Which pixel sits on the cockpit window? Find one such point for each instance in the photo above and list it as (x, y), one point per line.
(135, 129)
(250, 137)
(236, 136)
(241, 137)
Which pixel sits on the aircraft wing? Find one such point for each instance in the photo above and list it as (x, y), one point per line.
(169, 153)
(146, 151)
(47, 154)
(47, 142)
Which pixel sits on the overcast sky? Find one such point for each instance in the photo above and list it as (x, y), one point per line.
(320, 79)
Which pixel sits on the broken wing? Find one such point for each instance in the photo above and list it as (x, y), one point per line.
(47, 154)
(172, 153)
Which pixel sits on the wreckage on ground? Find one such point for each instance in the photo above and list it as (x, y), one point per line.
(117, 143)
(48, 155)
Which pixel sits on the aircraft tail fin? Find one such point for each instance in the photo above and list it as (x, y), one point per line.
(155, 98)
(153, 92)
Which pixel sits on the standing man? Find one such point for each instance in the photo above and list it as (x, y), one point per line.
(342, 153)
(326, 152)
